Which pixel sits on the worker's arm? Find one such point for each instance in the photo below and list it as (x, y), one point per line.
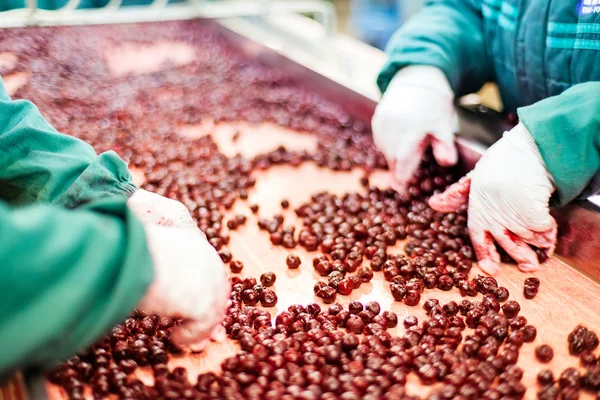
(66, 277)
(39, 164)
(447, 34)
(439, 54)
(566, 130)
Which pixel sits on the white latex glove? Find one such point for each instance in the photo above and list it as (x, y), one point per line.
(417, 110)
(508, 194)
(152, 208)
(190, 282)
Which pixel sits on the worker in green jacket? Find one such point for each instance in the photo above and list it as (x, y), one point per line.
(544, 56)
(81, 246)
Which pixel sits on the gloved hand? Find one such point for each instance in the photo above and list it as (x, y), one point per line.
(508, 194)
(190, 282)
(152, 208)
(417, 110)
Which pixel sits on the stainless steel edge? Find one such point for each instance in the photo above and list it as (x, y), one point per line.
(578, 244)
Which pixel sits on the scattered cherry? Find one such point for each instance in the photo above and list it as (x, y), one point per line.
(236, 266)
(293, 261)
(268, 279)
(544, 353)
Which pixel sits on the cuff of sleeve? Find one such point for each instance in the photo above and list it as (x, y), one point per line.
(107, 176)
(127, 285)
(392, 67)
(550, 132)
(422, 76)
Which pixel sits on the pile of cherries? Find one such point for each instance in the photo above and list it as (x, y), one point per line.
(107, 366)
(469, 349)
(582, 342)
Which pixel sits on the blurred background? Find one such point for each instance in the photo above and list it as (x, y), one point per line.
(374, 21)
(371, 21)
(341, 39)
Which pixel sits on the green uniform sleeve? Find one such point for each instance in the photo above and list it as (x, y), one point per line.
(66, 277)
(447, 34)
(38, 164)
(566, 129)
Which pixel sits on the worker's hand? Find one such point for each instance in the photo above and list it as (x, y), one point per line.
(416, 111)
(190, 282)
(508, 194)
(152, 208)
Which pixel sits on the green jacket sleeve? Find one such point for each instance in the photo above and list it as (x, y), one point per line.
(38, 164)
(566, 129)
(66, 277)
(447, 34)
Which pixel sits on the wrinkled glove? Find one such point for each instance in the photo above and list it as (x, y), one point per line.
(190, 282)
(152, 208)
(508, 194)
(416, 111)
